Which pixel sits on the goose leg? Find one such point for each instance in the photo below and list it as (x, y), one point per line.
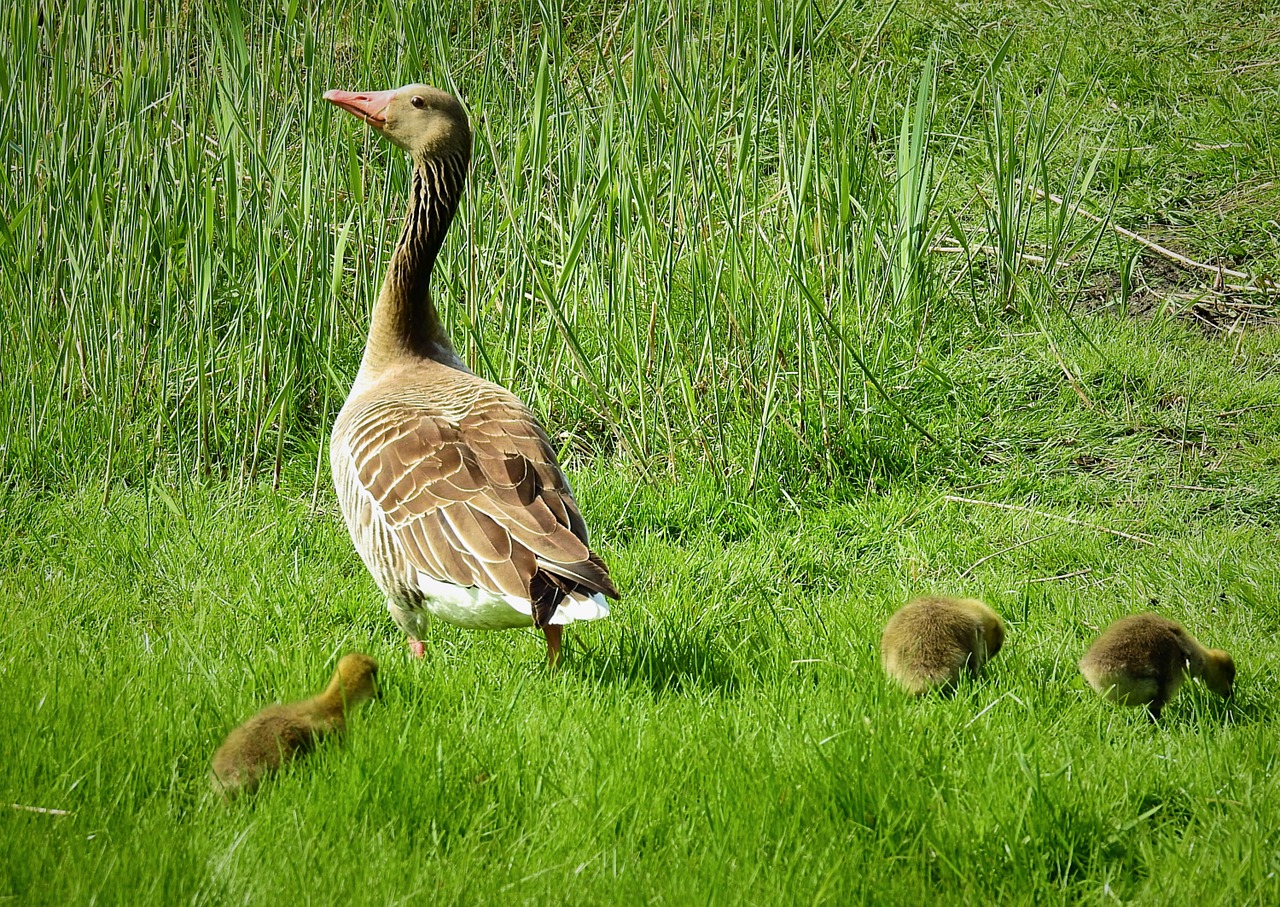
(553, 633)
(412, 623)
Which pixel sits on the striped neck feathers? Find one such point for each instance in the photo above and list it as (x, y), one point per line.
(405, 321)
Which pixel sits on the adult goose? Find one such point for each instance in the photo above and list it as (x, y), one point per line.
(448, 484)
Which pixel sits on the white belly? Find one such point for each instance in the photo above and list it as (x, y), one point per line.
(478, 609)
(410, 592)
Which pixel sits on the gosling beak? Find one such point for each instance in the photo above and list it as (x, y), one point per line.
(370, 106)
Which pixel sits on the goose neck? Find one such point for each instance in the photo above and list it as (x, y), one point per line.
(406, 323)
(335, 698)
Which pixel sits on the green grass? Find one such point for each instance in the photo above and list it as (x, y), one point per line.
(703, 243)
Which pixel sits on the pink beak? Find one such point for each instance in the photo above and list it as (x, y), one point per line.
(370, 106)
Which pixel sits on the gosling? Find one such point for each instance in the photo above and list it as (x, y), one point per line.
(931, 641)
(1142, 660)
(281, 733)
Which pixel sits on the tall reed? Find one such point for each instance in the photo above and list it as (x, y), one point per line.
(682, 241)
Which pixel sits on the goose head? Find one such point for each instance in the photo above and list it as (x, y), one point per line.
(992, 631)
(1219, 672)
(356, 677)
(424, 121)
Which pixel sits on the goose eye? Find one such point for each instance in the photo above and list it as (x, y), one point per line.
(418, 102)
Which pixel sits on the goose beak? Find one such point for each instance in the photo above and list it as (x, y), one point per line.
(370, 106)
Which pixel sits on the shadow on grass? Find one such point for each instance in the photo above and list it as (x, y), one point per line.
(664, 658)
(1193, 710)
(1200, 708)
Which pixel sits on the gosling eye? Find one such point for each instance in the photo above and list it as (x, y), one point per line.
(418, 102)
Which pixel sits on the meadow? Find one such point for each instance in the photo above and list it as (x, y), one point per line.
(824, 304)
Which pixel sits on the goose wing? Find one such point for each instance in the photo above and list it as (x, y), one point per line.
(477, 498)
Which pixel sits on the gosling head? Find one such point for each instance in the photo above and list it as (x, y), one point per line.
(1219, 672)
(357, 678)
(424, 121)
(992, 631)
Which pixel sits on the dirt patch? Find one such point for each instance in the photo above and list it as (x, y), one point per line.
(1159, 284)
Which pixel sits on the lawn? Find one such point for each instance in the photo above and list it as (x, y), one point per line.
(785, 286)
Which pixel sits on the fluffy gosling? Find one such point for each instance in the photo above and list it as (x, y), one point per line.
(281, 733)
(933, 639)
(1142, 660)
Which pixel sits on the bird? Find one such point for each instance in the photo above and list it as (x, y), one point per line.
(933, 639)
(281, 733)
(1142, 659)
(447, 482)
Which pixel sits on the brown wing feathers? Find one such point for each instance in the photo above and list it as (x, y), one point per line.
(479, 503)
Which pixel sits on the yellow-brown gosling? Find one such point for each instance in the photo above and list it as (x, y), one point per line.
(449, 486)
(1142, 660)
(281, 733)
(934, 639)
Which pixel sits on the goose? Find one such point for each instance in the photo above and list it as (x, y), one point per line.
(933, 639)
(448, 485)
(1142, 660)
(281, 733)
